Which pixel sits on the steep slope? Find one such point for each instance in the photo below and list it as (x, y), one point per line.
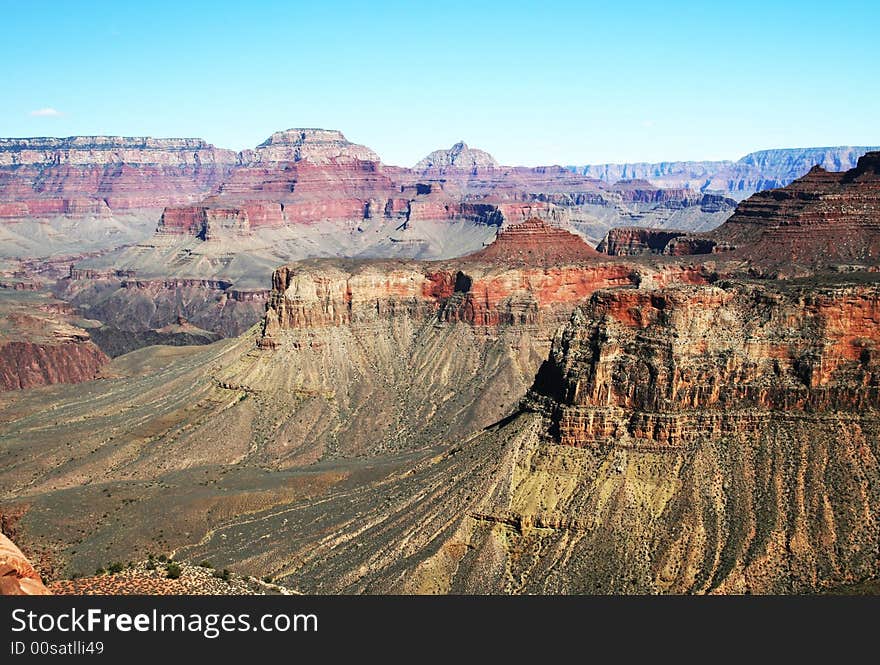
(685, 440)
(41, 343)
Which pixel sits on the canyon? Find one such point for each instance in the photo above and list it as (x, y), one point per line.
(516, 411)
(756, 172)
(822, 220)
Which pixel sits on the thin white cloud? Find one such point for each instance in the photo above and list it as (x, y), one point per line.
(47, 112)
(647, 124)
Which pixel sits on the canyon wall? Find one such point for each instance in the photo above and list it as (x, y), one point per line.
(822, 220)
(757, 171)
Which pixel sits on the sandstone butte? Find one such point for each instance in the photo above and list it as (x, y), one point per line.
(17, 576)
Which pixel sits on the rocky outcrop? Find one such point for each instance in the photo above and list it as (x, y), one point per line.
(673, 367)
(319, 146)
(634, 241)
(530, 261)
(207, 222)
(822, 220)
(127, 304)
(771, 169)
(532, 274)
(535, 242)
(112, 150)
(458, 157)
(17, 576)
(27, 364)
(688, 439)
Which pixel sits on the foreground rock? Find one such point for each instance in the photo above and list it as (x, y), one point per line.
(17, 575)
(151, 578)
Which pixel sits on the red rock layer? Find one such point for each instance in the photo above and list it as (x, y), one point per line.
(536, 243)
(27, 365)
(532, 274)
(822, 219)
(663, 368)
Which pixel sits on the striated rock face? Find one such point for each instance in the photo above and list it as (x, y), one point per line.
(94, 175)
(528, 270)
(634, 241)
(319, 146)
(17, 576)
(459, 156)
(207, 222)
(41, 343)
(672, 367)
(537, 243)
(109, 150)
(27, 365)
(757, 171)
(771, 169)
(821, 220)
(689, 439)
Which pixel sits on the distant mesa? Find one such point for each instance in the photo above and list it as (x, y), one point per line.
(458, 157)
(535, 242)
(320, 146)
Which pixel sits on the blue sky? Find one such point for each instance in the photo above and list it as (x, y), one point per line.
(531, 82)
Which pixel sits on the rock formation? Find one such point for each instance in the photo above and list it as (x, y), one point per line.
(743, 356)
(458, 157)
(17, 575)
(534, 242)
(319, 146)
(635, 240)
(822, 220)
(40, 344)
(757, 171)
(696, 414)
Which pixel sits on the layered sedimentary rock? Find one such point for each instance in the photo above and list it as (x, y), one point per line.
(635, 240)
(319, 146)
(530, 268)
(690, 439)
(40, 344)
(535, 242)
(142, 307)
(757, 171)
(88, 175)
(459, 156)
(27, 364)
(673, 367)
(824, 219)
